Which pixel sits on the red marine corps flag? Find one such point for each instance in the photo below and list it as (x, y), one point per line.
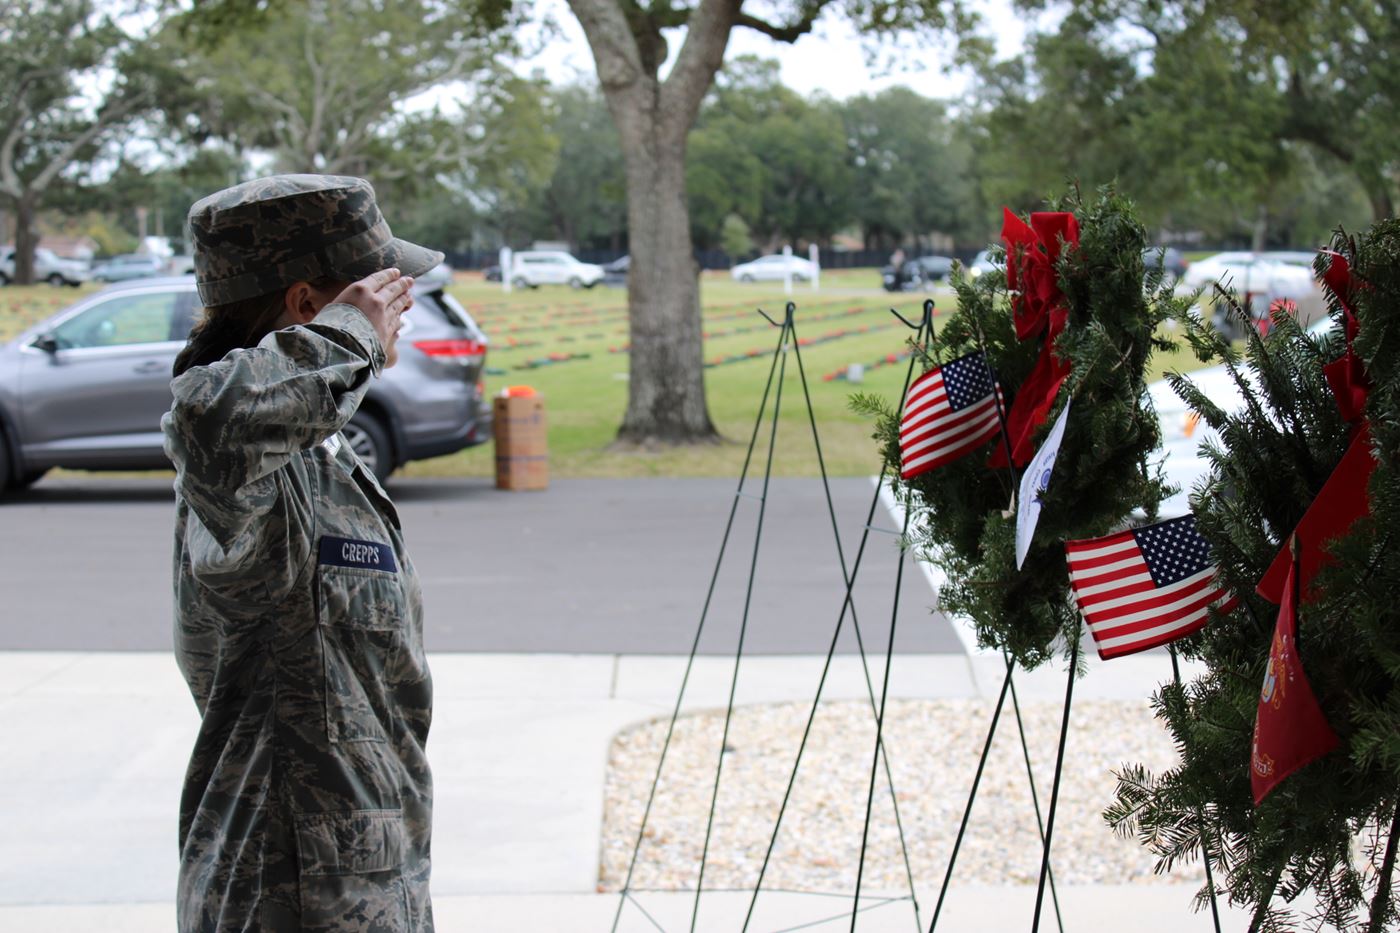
(1289, 729)
(1341, 501)
(1146, 586)
(950, 412)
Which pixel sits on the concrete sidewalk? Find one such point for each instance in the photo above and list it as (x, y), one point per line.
(97, 743)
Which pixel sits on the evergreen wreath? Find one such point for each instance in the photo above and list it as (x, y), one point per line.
(959, 512)
(1329, 829)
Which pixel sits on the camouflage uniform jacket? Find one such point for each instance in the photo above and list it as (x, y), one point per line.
(307, 802)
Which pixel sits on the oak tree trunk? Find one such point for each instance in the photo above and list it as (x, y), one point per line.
(26, 239)
(1378, 193)
(666, 384)
(1259, 241)
(666, 387)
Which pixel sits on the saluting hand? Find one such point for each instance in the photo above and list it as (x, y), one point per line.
(383, 297)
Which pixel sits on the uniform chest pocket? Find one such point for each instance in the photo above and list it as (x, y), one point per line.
(362, 611)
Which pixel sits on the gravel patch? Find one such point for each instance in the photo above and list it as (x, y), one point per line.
(933, 750)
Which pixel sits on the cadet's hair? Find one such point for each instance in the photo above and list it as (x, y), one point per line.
(235, 326)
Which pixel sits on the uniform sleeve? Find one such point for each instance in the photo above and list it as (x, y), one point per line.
(235, 422)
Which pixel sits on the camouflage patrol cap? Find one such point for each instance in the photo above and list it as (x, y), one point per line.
(263, 235)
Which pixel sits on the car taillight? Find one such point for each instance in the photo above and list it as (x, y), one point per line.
(450, 349)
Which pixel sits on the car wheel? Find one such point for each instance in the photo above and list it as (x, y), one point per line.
(746, 278)
(55, 280)
(369, 439)
(576, 283)
(4, 279)
(25, 480)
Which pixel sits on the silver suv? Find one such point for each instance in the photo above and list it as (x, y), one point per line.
(86, 389)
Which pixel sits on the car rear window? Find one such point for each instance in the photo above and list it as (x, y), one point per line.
(444, 307)
(454, 312)
(431, 303)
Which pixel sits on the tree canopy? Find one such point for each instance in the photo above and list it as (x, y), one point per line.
(48, 49)
(320, 84)
(1223, 116)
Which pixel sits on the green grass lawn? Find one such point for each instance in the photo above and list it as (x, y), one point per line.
(585, 397)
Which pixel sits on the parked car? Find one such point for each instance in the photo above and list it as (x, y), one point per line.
(1258, 280)
(1302, 258)
(934, 268)
(124, 268)
(1168, 258)
(1251, 272)
(492, 273)
(533, 268)
(773, 269)
(904, 279)
(86, 388)
(982, 263)
(615, 272)
(48, 267)
(916, 274)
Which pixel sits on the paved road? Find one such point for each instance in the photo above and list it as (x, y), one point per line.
(588, 567)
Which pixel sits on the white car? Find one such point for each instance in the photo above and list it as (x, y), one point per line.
(48, 267)
(1291, 257)
(533, 268)
(981, 263)
(773, 269)
(1256, 273)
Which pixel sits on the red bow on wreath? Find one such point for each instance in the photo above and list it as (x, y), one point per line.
(1038, 308)
(1346, 376)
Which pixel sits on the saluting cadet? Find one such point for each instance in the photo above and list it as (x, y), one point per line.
(307, 803)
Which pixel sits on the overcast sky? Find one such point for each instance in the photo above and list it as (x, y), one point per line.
(830, 59)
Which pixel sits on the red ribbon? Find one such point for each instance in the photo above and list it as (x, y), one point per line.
(1346, 376)
(1039, 310)
(1344, 498)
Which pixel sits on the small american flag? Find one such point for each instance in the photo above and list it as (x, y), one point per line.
(950, 411)
(1142, 588)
